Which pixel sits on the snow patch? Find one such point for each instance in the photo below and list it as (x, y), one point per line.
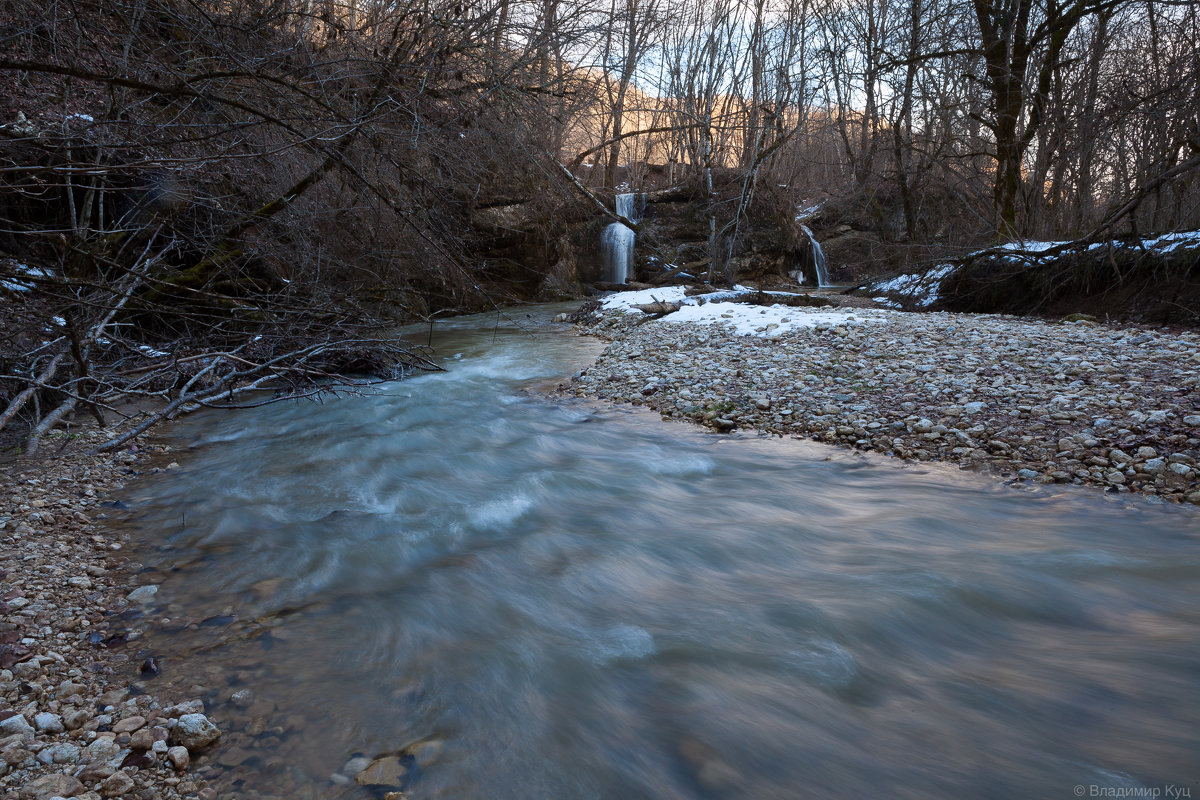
(922, 287)
(625, 301)
(716, 308)
(807, 212)
(17, 282)
(1169, 241)
(769, 321)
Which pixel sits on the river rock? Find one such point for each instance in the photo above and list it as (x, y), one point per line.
(426, 753)
(115, 785)
(14, 725)
(233, 756)
(195, 731)
(142, 594)
(46, 722)
(1119, 457)
(356, 765)
(129, 724)
(386, 771)
(62, 753)
(97, 771)
(55, 785)
(101, 750)
(188, 707)
(179, 757)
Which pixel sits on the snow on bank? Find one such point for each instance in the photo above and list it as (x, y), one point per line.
(1169, 241)
(744, 319)
(769, 321)
(20, 279)
(923, 289)
(624, 301)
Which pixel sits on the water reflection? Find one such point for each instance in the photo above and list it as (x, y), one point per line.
(521, 598)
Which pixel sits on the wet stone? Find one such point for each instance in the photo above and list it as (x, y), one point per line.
(389, 771)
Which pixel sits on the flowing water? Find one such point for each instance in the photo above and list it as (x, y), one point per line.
(818, 257)
(618, 239)
(557, 600)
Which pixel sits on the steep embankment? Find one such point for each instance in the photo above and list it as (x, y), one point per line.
(1104, 405)
(1152, 279)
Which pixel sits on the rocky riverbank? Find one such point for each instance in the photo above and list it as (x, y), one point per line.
(78, 716)
(1110, 406)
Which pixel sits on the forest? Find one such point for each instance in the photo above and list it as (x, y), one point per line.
(590, 399)
(261, 187)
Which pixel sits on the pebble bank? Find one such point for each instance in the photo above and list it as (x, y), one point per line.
(1109, 406)
(78, 714)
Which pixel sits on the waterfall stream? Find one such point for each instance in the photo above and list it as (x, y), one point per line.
(818, 257)
(618, 238)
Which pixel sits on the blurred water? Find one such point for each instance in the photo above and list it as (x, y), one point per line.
(582, 602)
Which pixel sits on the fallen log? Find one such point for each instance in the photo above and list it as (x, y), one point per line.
(658, 308)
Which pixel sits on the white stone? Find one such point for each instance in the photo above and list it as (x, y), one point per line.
(142, 594)
(46, 722)
(17, 724)
(195, 731)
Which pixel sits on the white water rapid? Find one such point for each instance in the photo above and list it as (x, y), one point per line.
(617, 238)
(503, 595)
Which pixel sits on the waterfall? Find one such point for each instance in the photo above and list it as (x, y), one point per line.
(617, 238)
(818, 257)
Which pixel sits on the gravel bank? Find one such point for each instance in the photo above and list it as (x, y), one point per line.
(77, 716)
(1103, 405)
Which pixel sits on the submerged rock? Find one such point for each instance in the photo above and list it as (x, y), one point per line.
(142, 594)
(389, 771)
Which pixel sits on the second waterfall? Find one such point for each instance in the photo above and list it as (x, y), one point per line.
(618, 238)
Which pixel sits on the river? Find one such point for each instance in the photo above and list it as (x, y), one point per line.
(559, 600)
